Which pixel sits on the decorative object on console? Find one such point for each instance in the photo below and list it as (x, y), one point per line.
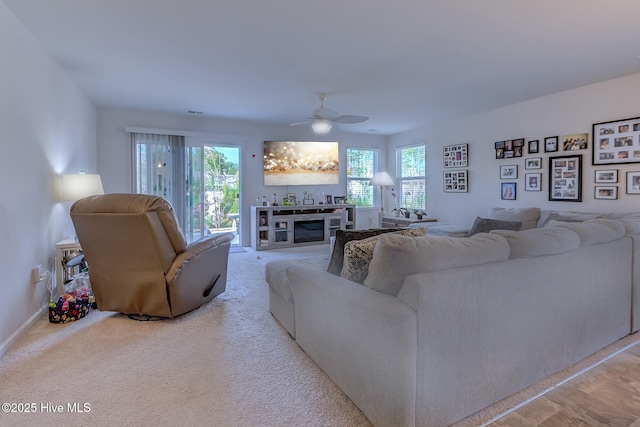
(329, 199)
(455, 156)
(381, 179)
(338, 200)
(456, 181)
(565, 178)
(616, 142)
(533, 182)
(575, 142)
(508, 172)
(605, 192)
(300, 163)
(550, 144)
(633, 182)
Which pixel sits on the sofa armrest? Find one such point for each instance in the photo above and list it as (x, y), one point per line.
(352, 332)
(199, 273)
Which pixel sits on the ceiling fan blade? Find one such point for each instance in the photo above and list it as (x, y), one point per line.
(326, 113)
(306, 122)
(351, 119)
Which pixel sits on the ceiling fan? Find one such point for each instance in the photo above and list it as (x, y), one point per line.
(324, 118)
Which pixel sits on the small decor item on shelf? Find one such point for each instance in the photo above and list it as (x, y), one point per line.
(275, 199)
(292, 199)
(307, 199)
(419, 213)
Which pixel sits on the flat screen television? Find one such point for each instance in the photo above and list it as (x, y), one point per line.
(300, 163)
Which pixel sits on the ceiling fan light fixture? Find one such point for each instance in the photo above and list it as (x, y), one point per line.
(321, 126)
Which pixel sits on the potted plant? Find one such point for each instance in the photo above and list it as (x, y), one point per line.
(419, 213)
(404, 211)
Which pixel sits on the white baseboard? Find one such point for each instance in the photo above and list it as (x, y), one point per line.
(14, 336)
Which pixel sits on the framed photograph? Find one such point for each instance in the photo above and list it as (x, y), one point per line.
(609, 175)
(550, 144)
(533, 163)
(456, 156)
(509, 172)
(616, 142)
(565, 178)
(533, 146)
(508, 191)
(605, 193)
(456, 181)
(633, 182)
(532, 182)
(328, 199)
(575, 142)
(338, 200)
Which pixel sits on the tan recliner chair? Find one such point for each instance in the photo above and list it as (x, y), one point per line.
(139, 260)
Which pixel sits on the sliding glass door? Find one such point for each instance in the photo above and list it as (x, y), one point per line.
(213, 190)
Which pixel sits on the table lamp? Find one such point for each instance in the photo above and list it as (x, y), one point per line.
(382, 179)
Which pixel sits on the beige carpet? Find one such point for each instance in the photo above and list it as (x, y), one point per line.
(229, 363)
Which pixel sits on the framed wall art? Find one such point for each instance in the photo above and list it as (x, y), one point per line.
(616, 142)
(532, 182)
(575, 142)
(533, 163)
(508, 172)
(533, 146)
(508, 191)
(609, 175)
(456, 156)
(605, 192)
(456, 181)
(550, 144)
(633, 182)
(509, 148)
(565, 178)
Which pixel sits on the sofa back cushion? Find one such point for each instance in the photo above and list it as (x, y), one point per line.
(593, 231)
(358, 254)
(539, 241)
(344, 236)
(547, 216)
(396, 257)
(527, 216)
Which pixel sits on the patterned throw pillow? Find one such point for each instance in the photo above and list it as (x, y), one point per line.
(358, 254)
(485, 225)
(344, 236)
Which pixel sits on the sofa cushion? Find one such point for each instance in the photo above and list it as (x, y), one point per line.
(344, 236)
(593, 231)
(539, 241)
(546, 216)
(528, 216)
(485, 225)
(358, 254)
(396, 257)
(631, 226)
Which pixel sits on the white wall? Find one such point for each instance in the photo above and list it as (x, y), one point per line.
(560, 114)
(48, 127)
(114, 153)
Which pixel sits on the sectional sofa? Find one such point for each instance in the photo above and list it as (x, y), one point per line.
(442, 327)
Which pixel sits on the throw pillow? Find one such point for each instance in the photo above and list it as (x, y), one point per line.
(397, 257)
(344, 236)
(485, 225)
(358, 254)
(528, 216)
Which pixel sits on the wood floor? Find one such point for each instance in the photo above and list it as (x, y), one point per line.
(607, 395)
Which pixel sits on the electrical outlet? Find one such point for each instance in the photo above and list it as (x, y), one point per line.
(36, 277)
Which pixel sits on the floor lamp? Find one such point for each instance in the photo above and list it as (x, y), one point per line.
(382, 179)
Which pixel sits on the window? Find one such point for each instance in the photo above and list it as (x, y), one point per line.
(361, 163)
(411, 177)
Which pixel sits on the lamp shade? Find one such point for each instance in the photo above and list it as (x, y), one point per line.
(381, 179)
(75, 187)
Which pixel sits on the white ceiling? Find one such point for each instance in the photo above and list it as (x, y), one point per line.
(403, 63)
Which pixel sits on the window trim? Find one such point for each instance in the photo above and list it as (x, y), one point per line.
(400, 178)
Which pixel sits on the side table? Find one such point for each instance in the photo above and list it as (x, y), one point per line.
(64, 248)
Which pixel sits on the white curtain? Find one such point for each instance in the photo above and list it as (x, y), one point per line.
(159, 168)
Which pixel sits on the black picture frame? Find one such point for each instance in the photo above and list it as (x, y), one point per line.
(508, 190)
(533, 146)
(328, 199)
(456, 156)
(565, 178)
(551, 144)
(616, 142)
